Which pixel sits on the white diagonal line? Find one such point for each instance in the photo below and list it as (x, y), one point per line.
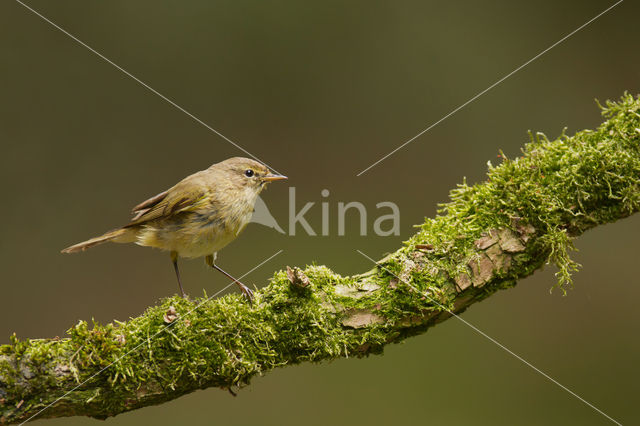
(145, 85)
(500, 345)
(490, 87)
(180, 318)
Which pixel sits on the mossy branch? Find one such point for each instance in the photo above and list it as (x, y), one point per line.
(486, 238)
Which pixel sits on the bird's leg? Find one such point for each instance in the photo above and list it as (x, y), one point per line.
(246, 291)
(174, 259)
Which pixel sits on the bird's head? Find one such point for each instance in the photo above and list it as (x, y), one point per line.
(245, 174)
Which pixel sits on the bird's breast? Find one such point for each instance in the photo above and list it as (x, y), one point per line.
(199, 233)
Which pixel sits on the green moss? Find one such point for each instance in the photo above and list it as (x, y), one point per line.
(560, 187)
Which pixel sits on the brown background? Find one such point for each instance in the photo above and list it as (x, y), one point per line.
(319, 90)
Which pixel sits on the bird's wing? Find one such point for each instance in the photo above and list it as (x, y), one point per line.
(147, 204)
(185, 196)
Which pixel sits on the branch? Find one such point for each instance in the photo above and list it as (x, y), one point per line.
(485, 239)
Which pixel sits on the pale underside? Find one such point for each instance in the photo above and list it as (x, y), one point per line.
(192, 235)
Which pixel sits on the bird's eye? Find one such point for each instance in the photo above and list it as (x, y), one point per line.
(248, 173)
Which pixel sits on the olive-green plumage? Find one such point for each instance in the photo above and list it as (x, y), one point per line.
(198, 216)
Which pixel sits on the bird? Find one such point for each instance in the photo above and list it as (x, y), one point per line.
(196, 217)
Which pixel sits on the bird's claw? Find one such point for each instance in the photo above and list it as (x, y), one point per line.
(247, 293)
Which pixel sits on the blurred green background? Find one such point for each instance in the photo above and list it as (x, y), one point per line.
(319, 90)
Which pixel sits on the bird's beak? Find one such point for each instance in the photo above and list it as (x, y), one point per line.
(271, 177)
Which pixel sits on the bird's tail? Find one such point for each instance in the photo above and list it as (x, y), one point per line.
(121, 235)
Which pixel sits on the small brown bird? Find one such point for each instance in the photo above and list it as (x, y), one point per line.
(198, 216)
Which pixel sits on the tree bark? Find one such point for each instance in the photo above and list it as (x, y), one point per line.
(485, 239)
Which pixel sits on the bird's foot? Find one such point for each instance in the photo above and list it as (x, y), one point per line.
(246, 292)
